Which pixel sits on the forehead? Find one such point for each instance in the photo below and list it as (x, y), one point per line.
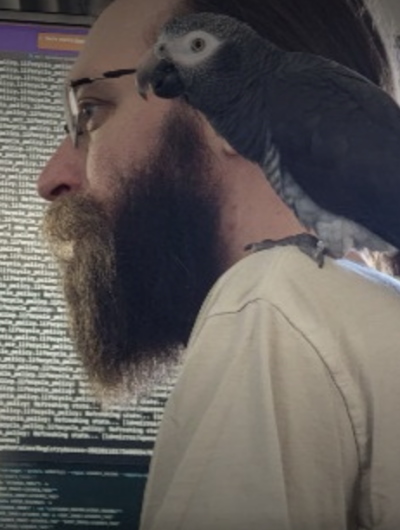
(121, 35)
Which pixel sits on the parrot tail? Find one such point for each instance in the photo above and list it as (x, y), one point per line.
(393, 262)
(387, 262)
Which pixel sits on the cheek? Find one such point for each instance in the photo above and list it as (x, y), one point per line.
(124, 141)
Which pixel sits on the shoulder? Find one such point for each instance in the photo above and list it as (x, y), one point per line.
(292, 284)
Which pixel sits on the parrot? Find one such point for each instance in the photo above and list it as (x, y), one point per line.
(326, 138)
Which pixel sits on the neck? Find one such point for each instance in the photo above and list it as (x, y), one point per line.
(252, 211)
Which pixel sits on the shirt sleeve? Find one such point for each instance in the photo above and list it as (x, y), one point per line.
(255, 435)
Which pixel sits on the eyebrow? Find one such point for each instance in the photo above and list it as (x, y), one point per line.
(110, 74)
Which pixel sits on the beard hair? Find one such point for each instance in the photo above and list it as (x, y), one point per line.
(134, 281)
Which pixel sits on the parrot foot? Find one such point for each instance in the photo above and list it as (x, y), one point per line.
(307, 243)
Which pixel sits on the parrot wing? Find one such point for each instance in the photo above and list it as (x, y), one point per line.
(338, 135)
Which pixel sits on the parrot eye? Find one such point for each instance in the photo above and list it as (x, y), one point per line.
(161, 49)
(198, 44)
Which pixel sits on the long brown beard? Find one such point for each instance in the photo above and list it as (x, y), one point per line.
(135, 282)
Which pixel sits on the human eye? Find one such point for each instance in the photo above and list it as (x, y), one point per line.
(90, 114)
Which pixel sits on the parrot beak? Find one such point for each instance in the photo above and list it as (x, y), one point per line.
(159, 74)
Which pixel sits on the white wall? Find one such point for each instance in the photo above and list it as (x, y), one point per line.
(388, 11)
(387, 15)
(392, 9)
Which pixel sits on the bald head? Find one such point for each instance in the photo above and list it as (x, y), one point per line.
(122, 34)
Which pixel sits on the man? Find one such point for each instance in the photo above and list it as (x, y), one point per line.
(285, 413)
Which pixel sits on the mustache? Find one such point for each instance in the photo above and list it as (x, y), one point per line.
(77, 222)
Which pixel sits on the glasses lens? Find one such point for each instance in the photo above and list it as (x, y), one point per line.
(71, 114)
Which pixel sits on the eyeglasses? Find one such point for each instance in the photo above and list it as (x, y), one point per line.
(73, 116)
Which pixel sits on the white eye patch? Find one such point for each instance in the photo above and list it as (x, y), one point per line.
(193, 48)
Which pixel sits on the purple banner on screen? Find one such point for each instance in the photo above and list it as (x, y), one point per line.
(49, 40)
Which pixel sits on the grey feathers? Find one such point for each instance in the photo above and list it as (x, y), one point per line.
(327, 139)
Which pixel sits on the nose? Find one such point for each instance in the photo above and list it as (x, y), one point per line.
(64, 173)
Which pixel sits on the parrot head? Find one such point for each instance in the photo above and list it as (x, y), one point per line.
(199, 57)
(213, 62)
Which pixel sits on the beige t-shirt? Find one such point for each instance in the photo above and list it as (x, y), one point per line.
(286, 415)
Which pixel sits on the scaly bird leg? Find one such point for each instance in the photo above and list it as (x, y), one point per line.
(307, 243)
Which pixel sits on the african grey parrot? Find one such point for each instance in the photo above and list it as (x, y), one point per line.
(327, 139)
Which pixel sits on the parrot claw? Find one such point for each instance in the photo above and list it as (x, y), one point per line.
(307, 243)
